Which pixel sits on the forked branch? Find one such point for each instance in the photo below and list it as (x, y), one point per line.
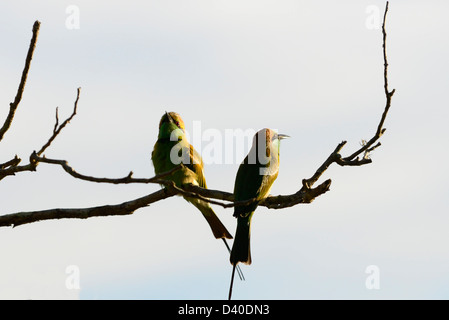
(12, 167)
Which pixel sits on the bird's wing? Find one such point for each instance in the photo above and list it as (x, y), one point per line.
(196, 165)
(247, 186)
(251, 183)
(160, 157)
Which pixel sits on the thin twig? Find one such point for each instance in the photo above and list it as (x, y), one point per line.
(125, 180)
(11, 163)
(13, 166)
(353, 159)
(388, 94)
(13, 105)
(57, 129)
(57, 121)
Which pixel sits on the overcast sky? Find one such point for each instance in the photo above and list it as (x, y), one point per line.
(312, 70)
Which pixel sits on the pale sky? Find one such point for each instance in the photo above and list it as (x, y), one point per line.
(312, 70)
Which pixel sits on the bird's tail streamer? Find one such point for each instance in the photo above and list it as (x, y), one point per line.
(239, 270)
(232, 281)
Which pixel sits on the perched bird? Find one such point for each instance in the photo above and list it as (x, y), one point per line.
(171, 149)
(254, 179)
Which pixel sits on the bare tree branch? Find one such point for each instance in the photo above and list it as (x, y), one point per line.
(125, 180)
(388, 94)
(13, 105)
(12, 170)
(57, 129)
(353, 159)
(125, 208)
(12, 166)
(11, 163)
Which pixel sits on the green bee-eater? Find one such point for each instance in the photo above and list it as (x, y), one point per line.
(254, 179)
(171, 149)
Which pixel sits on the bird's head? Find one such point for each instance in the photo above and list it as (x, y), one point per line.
(267, 140)
(171, 124)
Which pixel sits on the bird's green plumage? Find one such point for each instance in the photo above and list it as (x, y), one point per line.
(171, 149)
(192, 173)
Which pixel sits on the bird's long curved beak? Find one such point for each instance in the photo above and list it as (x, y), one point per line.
(283, 136)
